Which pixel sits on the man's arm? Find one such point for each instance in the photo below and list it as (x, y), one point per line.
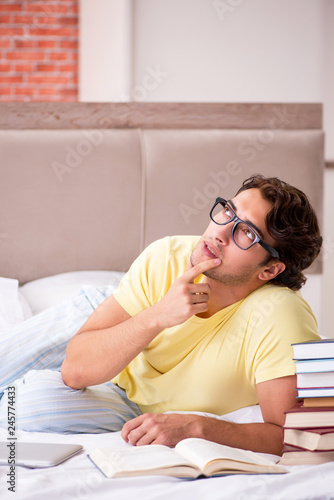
(110, 339)
(275, 397)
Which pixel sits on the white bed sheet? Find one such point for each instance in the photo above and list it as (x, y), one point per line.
(78, 478)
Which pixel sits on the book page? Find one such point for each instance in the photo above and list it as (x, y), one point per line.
(201, 452)
(137, 458)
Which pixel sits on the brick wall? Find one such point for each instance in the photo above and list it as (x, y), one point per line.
(38, 50)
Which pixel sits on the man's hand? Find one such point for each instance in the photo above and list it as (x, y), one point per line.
(160, 428)
(185, 298)
(170, 428)
(110, 339)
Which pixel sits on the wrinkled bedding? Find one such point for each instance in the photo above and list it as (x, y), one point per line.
(78, 478)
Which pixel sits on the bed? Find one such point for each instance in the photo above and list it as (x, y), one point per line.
(84, 187)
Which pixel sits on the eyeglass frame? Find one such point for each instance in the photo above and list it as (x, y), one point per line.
(271, 250)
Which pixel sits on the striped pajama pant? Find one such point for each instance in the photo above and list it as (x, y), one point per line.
(31, 355)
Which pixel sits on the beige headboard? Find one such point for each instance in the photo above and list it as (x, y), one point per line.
(86, 186)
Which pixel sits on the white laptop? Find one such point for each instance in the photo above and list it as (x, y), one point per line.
(35, 455)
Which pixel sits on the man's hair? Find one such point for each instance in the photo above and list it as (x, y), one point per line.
(293, 224)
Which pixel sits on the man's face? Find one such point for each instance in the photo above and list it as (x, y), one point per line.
(237, 266)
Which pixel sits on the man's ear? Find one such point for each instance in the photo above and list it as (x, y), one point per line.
(271, 271)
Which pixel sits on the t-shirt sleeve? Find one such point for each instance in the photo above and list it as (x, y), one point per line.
(281, 318)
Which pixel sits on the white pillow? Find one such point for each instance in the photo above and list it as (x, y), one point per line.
(13, 306)
(47, 292)
(26, 309)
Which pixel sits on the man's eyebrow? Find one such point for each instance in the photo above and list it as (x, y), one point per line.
(250, 223)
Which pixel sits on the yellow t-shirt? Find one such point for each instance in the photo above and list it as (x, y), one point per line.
(212, 364)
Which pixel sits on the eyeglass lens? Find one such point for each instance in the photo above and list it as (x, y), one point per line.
(243, 235)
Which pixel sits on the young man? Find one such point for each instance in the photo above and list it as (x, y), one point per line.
(207, 324)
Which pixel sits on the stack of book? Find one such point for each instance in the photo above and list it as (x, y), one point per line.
(308, 432)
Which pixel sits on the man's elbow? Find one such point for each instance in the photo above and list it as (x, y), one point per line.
(72, 376)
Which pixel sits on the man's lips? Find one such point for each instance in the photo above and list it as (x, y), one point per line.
(209, 250)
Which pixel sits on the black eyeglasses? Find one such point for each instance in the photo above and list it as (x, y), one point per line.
(243, 234)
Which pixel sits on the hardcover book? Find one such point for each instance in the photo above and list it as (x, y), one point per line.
(314, 365)
(300, 416)
(316, 402)
(319, 379)
(323, 348)
(315, 392)
(317, 438)
(191, 458)
(297, 456)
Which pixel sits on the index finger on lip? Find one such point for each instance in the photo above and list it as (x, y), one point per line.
(198, 269)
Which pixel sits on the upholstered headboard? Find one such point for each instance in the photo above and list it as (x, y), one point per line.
(87, 186)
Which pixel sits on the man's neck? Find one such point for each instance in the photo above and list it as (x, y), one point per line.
(222, 296)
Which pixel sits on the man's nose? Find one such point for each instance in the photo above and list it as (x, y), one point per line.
(223, 233)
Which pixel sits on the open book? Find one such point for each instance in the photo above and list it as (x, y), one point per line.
(191, 458)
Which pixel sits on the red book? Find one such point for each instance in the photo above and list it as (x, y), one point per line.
(302, 416)
(317, 438)
(297, 456)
